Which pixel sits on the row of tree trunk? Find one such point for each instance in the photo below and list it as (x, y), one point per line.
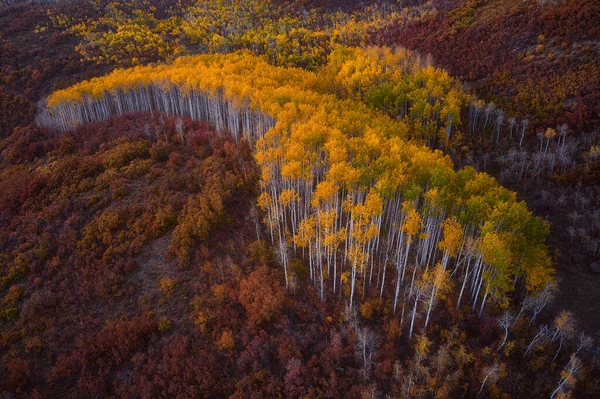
(355, 242)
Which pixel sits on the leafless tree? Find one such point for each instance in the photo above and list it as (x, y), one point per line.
(524, 124)
(571, 230)
(351, 316)
(564, 328)
(506, 321)
(542, 336)
(574, 216)
(419, 293)
(536, 303)
(540, 136)
(489, 111)
(491, 375)
(583, 202)
(562, 133)
(568, 375)
(499, 120)
(585, 343)
(582, 232)
(366, 341)
(512, 122)
(596, 217)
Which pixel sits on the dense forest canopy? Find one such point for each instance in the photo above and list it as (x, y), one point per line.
(329, 153)
(277, 199)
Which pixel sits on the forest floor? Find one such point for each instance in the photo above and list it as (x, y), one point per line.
(578, 283)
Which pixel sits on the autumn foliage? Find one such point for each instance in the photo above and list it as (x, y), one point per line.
(261, 203)
(531, 58)
(353, 194)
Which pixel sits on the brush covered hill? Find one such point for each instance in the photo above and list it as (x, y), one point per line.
(538, 61)
(97, 301)
(531, 58)
(289, 215)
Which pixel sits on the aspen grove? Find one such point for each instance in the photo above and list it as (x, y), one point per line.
(346, 188)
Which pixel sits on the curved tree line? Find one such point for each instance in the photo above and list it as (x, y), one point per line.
(371, 213)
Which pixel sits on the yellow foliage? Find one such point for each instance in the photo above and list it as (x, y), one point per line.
(128, 34)
(453, 233)
(413, 223)
(166, 286)
(550, 133)
(288, 196)
(226, 342)
(422, 346)
(362, 155)
(164, 324)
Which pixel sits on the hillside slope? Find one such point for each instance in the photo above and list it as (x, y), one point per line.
(299, 206)
(532, 58)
